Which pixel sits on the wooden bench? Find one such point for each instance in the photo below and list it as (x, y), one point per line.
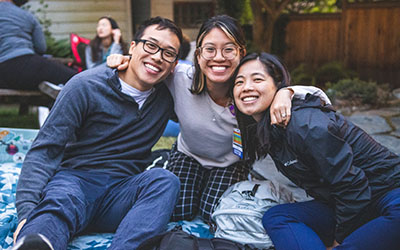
(24, 98)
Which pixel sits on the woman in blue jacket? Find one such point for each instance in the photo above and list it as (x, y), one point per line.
(353, 179)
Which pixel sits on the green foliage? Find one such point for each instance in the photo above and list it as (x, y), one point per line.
(354, 91)
(10, 118)
(59, 48)
(231, 8)
(332, 72)
(164, 143)
(302, 75)
(56, 48)
(311, 6)
(329, 72)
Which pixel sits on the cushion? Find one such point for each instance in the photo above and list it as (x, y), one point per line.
(14, 144)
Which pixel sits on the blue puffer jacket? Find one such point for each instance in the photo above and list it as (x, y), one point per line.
(335, 162)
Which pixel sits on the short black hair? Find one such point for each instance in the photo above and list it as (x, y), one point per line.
(163, 23)
(19, 2)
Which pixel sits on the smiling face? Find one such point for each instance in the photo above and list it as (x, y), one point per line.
(218, 69)
(145, 70)
(254, 89)
(104, 28)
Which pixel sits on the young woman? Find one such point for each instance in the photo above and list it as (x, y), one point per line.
(355, 181)
(108, 41)
(204, 156)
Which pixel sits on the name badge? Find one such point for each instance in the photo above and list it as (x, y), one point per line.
(237, 147)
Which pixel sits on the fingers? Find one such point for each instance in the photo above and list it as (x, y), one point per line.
(20, 225)
(123, 66)
(280, 115)
(274, 119)
(287, 117)
(280, 108)
(117, 35)
(114, 60)
(118, 61)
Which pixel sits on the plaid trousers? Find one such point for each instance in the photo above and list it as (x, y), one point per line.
(201, 188)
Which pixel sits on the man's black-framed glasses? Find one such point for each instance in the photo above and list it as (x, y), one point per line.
(152, 48)
(209, 52)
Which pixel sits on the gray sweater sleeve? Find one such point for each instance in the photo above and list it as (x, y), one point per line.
(47, 150)
(38, 38)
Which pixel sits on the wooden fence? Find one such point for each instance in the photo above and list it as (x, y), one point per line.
(365, 37)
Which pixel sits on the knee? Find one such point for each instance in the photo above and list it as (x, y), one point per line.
(274, 217)
(165, 179)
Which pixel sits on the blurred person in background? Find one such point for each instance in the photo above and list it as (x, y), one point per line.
(108, 41)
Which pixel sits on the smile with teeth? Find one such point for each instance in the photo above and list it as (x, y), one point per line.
(151, 67)
(219, 68)
(249, 98)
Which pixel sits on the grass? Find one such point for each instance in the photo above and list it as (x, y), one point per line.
(10, 118)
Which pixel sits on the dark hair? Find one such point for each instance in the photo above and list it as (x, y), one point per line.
(95, 43)
(19, 3)
(256, 136)
(231, 27)
(185, 47)
(163, 23)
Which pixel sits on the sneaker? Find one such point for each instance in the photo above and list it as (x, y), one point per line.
(33, 242)
(50, 89)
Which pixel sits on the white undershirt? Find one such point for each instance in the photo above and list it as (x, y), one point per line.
(139, 96)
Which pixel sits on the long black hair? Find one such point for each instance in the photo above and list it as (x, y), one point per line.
(232, 29)
(256, 137)
(95, 43)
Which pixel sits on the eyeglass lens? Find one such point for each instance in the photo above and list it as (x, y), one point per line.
(152, 48)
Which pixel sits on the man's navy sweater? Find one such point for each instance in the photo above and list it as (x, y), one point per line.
(93, 126)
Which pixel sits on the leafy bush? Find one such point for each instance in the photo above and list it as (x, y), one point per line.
(332, 72)
(59, 48)
(302, 75)
(356, 92)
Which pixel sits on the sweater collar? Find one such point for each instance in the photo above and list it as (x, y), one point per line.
(115, 84)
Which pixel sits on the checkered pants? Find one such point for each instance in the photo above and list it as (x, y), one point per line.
(201, 188)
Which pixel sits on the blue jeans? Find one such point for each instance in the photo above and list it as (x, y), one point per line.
(311, 226)
(134, 207)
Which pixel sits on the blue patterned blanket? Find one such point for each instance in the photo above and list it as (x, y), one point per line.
(14, 144)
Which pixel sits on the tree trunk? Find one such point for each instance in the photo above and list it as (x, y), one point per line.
(265, 14)
(263, 27)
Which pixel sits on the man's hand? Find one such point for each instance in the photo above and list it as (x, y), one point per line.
(118, 61)
(280, 107)
(20, 225)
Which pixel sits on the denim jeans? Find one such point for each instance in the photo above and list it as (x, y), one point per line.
(311, 226)
(134, 207)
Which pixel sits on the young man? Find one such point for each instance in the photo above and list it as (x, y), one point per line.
(85, 170)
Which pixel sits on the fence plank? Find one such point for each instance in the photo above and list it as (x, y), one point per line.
(365, 38)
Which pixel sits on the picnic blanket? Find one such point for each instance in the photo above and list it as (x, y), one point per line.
(14, 144)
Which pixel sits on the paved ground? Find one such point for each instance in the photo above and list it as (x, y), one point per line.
(382, 124)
